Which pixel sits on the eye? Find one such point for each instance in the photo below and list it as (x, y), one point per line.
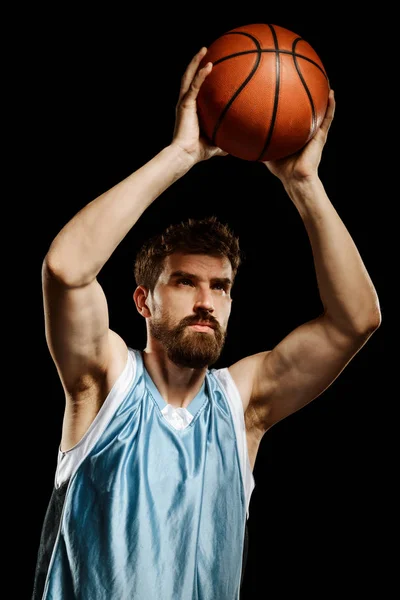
(185, 281)
(221, 287)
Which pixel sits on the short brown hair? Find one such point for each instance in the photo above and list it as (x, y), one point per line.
(194, 236)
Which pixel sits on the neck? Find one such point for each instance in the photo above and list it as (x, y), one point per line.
(177, 385)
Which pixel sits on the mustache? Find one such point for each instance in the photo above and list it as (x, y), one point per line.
(208, 319)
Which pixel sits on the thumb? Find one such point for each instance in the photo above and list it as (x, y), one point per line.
(218, 151)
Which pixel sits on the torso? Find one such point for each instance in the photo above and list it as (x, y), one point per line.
(241, 373)
(254, 437)
(76, 422)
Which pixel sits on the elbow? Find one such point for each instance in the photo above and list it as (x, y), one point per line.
(368, 317)
(64, 274)
(369, 324)
(50, 268)
(51, 271)
(359, 327)
(376, 319)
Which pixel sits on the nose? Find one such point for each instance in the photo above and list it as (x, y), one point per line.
(204, 301)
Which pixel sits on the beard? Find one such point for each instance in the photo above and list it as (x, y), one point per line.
(189, 348)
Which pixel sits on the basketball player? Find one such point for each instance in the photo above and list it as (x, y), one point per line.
(154, 474)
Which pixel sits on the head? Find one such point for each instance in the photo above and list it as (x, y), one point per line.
(184, 280)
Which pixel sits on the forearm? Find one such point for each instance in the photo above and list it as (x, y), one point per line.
(87, 241)
(346, 290)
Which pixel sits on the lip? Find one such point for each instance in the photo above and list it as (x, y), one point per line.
(201, 327)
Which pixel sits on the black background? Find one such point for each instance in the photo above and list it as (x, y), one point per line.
(103, 98)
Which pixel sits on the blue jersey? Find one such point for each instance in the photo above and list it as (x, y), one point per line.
(152, 503)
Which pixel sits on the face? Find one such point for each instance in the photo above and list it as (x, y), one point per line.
(190, 308)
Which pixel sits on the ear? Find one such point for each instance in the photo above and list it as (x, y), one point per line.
(140, 297)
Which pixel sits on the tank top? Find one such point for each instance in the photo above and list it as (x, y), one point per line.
(152, 503)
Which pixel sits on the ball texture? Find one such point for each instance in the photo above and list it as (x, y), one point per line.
(266, 95)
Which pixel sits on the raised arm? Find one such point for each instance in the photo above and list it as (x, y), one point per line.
(88, 355)
(276, 383)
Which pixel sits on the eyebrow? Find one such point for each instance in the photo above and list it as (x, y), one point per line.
(186, 275)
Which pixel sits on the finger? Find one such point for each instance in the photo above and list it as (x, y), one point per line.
(194, 88)
(190, 72)
(330, 113)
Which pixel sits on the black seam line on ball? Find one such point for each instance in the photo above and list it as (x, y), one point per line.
(241, 87)
(277, 50)
(276, 95)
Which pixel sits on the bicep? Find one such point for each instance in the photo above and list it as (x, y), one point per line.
(302, 366)
(76, 328)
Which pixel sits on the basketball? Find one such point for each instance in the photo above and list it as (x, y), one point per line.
(266, 95)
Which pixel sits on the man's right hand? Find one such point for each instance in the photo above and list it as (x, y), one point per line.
(187, 130)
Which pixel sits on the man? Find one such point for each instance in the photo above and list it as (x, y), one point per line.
(154, 476)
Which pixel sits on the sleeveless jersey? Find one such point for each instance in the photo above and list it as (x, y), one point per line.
(152, 503)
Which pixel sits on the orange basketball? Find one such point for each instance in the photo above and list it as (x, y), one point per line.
(266, 95)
